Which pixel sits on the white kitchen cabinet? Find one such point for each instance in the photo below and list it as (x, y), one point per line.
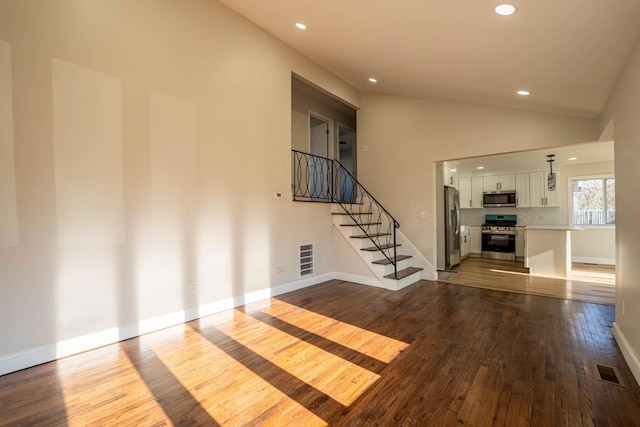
(520, 242)
(470, 192)
(476, 192)
(476, 240)
(539, 195)
(450, 177)
(522, 190)
(464, 186)
(499, 183)
(465, 242)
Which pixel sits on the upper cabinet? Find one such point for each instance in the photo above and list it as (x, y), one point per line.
(522, 190)
(539, 195)
(470, 192)
(450, 177)
(499, 183)
(464, 186)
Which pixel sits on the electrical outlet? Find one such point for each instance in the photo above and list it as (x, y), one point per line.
(424, 215)
(194, 286)
(279, 269)
(278, 195)
(365, 148)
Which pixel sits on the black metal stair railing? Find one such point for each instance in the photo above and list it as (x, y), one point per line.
(319, 179)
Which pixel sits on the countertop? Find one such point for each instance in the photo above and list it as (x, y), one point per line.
(554, 227)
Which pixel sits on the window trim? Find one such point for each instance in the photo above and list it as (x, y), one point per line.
(570, 179)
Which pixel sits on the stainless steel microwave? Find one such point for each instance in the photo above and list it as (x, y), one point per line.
(499, 199)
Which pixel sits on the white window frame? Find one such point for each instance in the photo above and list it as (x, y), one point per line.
(602, 176)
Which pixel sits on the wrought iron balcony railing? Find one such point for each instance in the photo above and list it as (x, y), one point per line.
(319, 179)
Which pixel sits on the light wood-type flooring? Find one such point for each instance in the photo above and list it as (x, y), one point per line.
(587, 283)
(342, 354)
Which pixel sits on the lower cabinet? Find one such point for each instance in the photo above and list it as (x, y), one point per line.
(476, 240)
(520, 242)
(465, 242)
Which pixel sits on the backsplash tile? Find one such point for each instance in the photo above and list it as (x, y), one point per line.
(526, 216)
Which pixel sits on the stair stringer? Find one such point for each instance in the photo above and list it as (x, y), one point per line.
(380, 271)
(429, 272)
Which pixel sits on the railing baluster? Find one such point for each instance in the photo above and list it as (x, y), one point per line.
(352, 198)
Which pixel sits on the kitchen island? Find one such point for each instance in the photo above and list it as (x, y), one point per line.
(548, 249)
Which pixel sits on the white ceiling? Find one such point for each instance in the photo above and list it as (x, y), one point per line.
(537, 160)
(566, 52)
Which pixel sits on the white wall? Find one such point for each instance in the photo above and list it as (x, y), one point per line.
(405, 136)
(304, 102)
(623, 107)
(147, 140)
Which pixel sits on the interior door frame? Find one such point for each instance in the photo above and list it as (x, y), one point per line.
(330, 137)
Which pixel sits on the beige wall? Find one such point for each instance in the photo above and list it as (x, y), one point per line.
(405, 136)
(301, 104)
(623, 107)
(147, 139)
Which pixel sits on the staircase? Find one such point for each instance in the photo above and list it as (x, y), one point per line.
(392, 268)
(367, 226)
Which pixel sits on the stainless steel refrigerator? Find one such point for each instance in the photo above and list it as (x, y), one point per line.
(451, 227)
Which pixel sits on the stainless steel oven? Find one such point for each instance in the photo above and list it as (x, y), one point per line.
(499, 237)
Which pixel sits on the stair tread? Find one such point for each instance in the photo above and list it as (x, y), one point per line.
(403, 273)
(385, 261)
(364, 236)
(364, 223)
(374, 248)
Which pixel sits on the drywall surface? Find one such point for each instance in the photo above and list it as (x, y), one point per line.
(623, 108)
(142, 144)
(405, 136)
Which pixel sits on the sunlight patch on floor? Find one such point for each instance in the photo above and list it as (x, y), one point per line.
(230, 392)
(339, 379)
(126, 378)
(361, 340)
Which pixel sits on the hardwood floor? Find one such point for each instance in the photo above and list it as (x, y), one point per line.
(341, 354)
(588, 283)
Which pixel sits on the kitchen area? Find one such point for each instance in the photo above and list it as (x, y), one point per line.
(523, 209)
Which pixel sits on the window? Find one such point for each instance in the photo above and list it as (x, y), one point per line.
(594, 201)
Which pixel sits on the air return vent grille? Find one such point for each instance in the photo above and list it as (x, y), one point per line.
(306, 260)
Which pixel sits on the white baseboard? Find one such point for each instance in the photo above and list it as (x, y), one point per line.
(630, 356)
(361, 280)
(585, 260)
(36, 356)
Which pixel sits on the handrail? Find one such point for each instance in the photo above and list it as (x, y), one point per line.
(320, 179)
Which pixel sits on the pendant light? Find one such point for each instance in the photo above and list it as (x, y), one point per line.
(551, 178)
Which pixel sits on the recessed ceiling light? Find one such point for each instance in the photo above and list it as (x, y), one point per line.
(454, 170)
(505, 9)
(523, 92)
(301, 26)
(573, 158)
(373, 80)
(480, 167)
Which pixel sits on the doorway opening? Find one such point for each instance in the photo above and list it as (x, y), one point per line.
(347, 157)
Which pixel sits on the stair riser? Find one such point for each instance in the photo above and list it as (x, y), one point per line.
(369, 256)
(396, 285)
(405, 263)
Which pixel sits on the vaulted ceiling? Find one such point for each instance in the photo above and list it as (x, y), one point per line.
(567, 53)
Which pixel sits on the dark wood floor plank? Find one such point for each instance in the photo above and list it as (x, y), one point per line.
(430, 354)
